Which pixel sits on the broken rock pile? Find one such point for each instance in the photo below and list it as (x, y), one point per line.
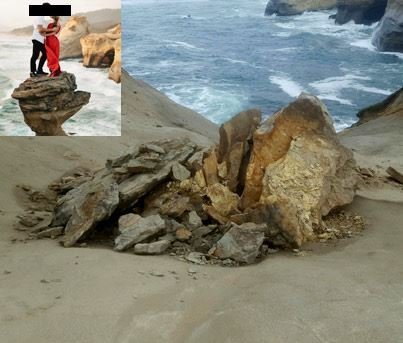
(265, 186)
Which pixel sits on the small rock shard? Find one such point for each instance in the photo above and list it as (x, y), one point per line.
(155, 248)
(395, 175)
(183, 234)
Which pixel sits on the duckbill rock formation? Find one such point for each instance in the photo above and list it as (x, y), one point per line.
(364, 12)
(74, 29)
(389, 34)
(293, 7)
(48, 102)
(265, 185)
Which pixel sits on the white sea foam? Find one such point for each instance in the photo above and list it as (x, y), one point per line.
(332, 87)
(216, 104)
(287, 85)
(182, 45)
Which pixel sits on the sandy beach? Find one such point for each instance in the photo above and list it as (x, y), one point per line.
(349, 290)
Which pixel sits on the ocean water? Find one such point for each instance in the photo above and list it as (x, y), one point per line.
(219, 57)
(101, 117)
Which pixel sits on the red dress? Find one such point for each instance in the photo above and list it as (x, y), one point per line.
(52, 46)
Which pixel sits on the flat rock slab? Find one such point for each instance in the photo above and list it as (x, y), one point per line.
(93, 207)
(141, 230)
(156, 248)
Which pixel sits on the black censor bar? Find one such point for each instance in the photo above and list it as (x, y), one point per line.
(49, 10)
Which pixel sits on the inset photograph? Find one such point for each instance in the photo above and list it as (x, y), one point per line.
(60, 68)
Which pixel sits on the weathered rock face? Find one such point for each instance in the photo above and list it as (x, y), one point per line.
(298, 160)
(234, 148)
(393, 104)
(389, 35)
(293, 7)
(48, 102)
(241, 243)
(74, 29)
(360, 11)
(115, 72)
(103, 50)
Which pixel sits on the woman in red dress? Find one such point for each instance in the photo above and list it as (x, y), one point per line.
(52, 46)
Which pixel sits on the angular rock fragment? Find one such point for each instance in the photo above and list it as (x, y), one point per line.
(155, 248)
(194, 220)
(182, 234)
(179, 172)
(233, 149)
(92, 208)
(241, 243)
(138, 166)
(52, 232)
(223, 200)
(210, 169)
(141, 230)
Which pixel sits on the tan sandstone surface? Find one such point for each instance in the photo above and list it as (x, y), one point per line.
(344, 291)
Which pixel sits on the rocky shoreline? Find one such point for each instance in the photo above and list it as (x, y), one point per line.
(388, 35)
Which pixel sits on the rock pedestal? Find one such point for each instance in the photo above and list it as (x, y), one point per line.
(48, 102)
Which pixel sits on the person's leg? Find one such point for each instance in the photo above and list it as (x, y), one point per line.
(35, 55)
(43, 58)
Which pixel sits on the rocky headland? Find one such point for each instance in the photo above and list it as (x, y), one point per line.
(389, 34)
(47, 103)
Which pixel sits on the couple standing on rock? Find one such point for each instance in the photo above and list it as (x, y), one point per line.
(46, 43)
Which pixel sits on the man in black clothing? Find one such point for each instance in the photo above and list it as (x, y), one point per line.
(38, 41)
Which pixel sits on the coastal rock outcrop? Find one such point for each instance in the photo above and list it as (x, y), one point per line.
(293, 7)
(98, 49)
(392, 105)
(389, 34)
(48, 102)
(115, 72)
(364, 12)
(74, 29)
(264, 185)
(103, 50)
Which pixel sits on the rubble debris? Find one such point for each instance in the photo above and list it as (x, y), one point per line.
(266, 186)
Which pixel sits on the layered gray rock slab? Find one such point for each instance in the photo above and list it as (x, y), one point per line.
(141, 230)
(241, 243)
